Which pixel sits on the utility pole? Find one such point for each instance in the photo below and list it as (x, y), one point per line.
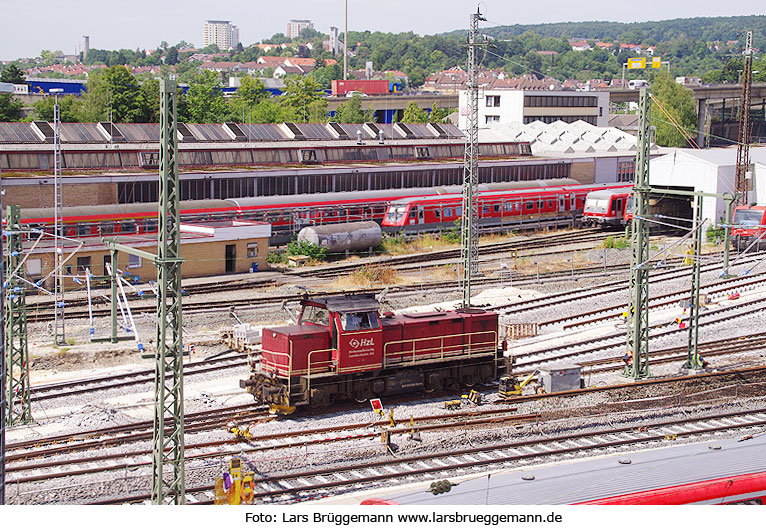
(693, 360)
(2, 355)
(469, 232)
(59, 337)
(637, 341)
(15, 319)
(168, 439)
(345, 47)
(743, 137)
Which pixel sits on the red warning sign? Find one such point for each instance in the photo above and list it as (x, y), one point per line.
(377, 405)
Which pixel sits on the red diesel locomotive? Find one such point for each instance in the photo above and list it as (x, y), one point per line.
(342, 349)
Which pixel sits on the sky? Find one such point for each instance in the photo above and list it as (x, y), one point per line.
(28, 27)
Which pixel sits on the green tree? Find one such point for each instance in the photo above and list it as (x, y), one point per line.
(299, 93)
(205, 99)
(672, 102)
(250, 92)
(70, 108)
(12, 74)
(414, 114)
(114, 93)
(438, 114)
(351, 112)
(10, 108)
(171, 57)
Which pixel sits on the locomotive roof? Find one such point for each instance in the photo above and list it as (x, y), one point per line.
(345, 303)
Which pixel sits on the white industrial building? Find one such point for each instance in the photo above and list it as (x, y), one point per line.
(711, 171)
(221, 33)
(504, 106)
(609, 154)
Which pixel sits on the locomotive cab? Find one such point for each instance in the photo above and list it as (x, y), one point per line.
(749, 227)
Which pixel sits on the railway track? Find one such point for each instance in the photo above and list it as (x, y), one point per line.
(315, 483)
(62, 389)
(35, 466)
(527, 360)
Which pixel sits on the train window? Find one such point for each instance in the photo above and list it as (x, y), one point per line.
(34, 267)
(107, 228)
(83, 229)
(485, 209)
(508, 206)
(448, 212)
(314, 315)
(359, 321)
(550, 204)
(496, 208)
(437, 214)
(413, 214)
(150, 226)
(540, 204)
(529, 205)
(128, 227)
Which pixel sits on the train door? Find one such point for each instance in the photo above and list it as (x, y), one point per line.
(620, 209)
(231, 258)
(564, 203)
(421, 215)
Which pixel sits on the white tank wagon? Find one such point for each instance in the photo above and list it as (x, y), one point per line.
(337, 238)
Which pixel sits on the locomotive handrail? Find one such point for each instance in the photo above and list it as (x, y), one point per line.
(428, 353)
(308, 368)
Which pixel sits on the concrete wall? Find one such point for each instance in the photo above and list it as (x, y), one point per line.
(41, 195)
(583, 171)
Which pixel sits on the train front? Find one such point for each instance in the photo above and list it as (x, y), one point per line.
(750, 227)
(396, 215)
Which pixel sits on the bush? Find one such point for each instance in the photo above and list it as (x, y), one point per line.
(278, 256)
(453, 234)
(615, 243)
(715, 232)
(301, 247)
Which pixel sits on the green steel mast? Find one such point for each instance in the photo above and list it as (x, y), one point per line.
(16, 350)
(637, 366)
(168, 476)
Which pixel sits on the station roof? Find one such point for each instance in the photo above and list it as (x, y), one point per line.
(105, 133)
(563, 138)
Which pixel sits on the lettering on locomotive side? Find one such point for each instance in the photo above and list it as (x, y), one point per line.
(356, 343)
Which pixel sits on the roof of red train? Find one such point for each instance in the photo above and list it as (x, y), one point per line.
(598, 478)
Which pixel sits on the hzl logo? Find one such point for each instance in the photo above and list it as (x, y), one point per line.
(356, 343)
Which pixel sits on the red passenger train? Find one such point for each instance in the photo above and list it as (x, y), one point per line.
(551, 205)
(740, 489)
(342, 349)
(286, 213)
(606, 208)
(750, 227)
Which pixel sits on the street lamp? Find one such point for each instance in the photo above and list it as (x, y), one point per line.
(58, 201)
(345, 47)
(9, 89)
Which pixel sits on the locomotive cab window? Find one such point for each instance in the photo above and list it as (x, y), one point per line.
(314, 315)
(352, 321)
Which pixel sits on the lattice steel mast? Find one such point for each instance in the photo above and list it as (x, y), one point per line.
(743, 137)
(59, 337)
(168, 441)
(16, 350)
(638, 311)
(469, 232)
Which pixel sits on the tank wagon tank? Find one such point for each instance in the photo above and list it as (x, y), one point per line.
(343, 349)
(337, 238)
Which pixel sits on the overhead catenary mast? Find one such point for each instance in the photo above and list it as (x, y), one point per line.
(470, 220)
(743, 137)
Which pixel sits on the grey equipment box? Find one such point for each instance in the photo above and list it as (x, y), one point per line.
(560, 377)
